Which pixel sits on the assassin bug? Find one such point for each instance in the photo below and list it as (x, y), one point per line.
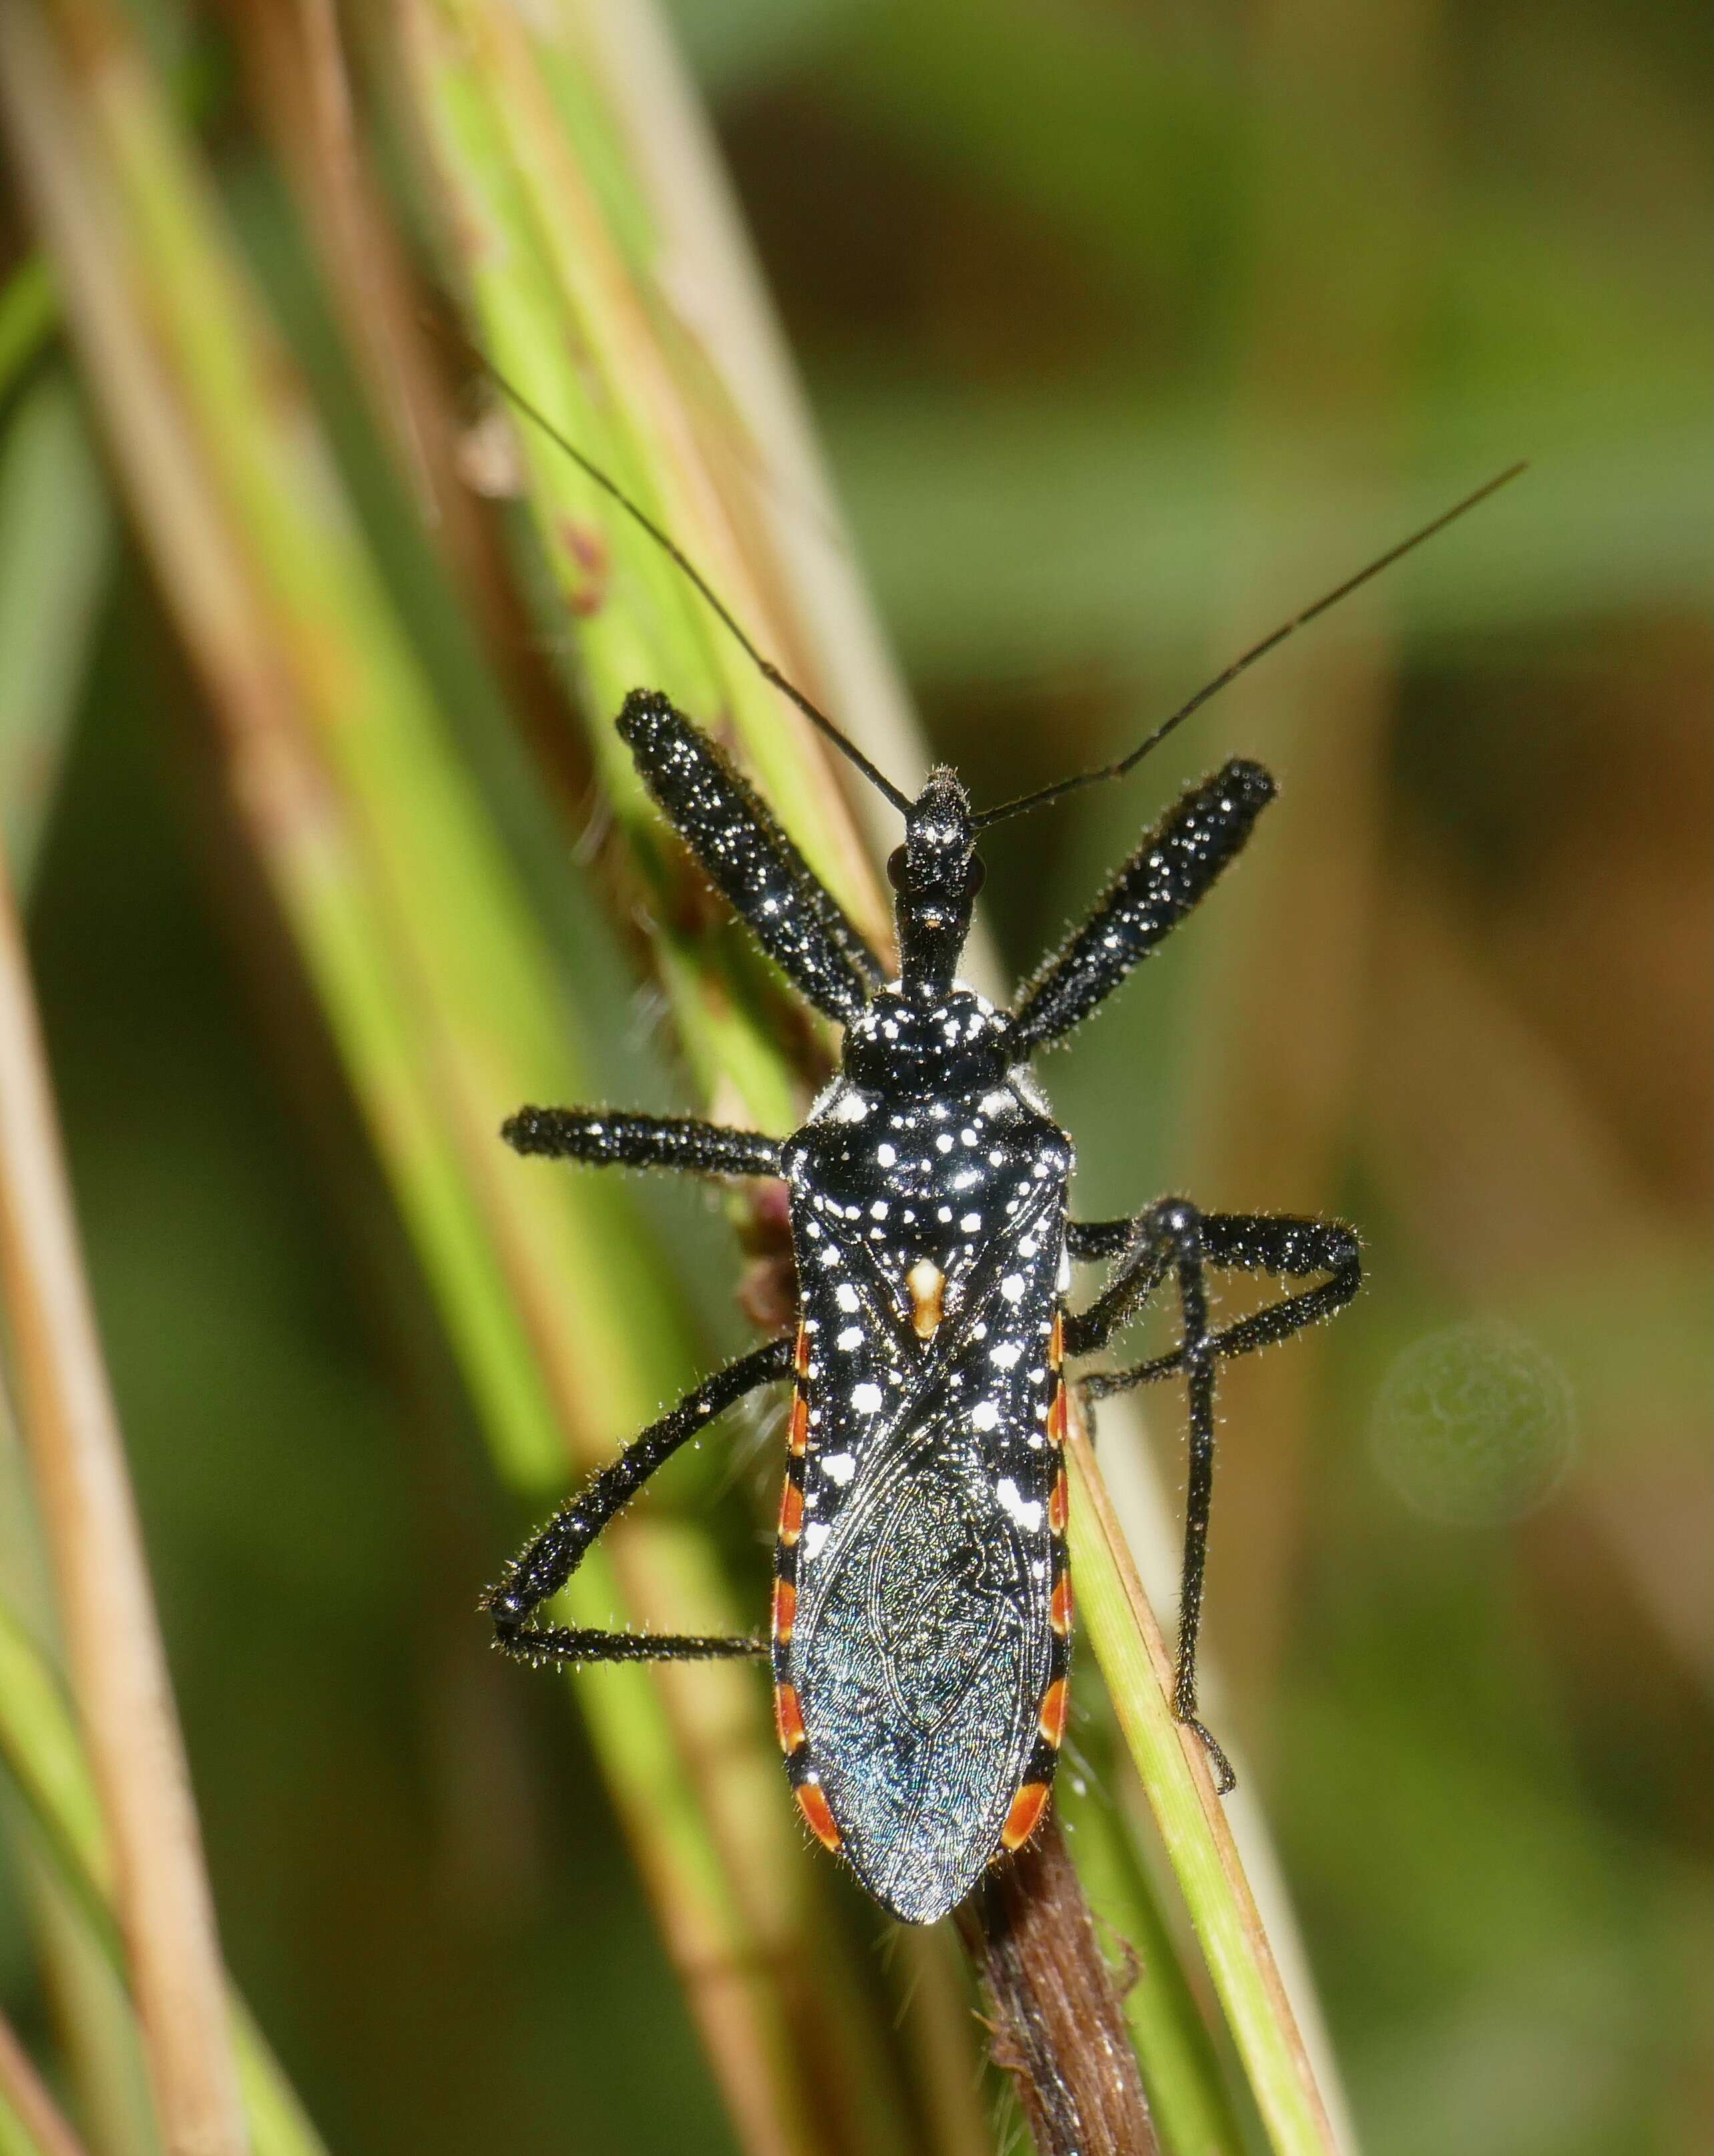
(922, 1601)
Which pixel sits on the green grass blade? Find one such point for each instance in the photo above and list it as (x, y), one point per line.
(1187, 2097)
(1134, 1661)
(44, 1755)
(56, 551)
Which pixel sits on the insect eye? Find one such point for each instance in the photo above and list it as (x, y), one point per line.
(896, 868)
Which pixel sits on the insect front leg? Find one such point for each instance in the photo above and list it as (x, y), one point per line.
(608, 1139)
(1169, 874)
(749, 859)
(544, 1566)
(1175, 1236)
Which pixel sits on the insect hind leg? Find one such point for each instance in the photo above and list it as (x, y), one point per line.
(548, 1561)
(1174, 1236)
(1285, 1246)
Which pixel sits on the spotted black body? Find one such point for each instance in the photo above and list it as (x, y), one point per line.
(922, 1604)
(921, 1607)
(922, 1601)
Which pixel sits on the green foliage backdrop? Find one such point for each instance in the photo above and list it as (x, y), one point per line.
(1128, 328)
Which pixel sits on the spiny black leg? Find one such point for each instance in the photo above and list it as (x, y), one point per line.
(544, 1566)
(735, 836)
(1100, 1238)
(1174, 1236)
(1150, 1244)
(1288, 1245)
(1199, 1500)
(1169, 872)
(608, 1139)
(1169, 1237)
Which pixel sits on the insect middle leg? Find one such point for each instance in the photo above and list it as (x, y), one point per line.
(546, 1563)
(606, 1139)
(1173, 1236)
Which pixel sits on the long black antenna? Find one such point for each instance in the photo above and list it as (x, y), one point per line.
(1126, 763)
(765, 667)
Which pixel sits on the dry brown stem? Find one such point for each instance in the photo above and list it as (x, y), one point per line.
(1059, 2024)
(117, 1666)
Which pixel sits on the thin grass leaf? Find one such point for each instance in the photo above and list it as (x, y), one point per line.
(113, 1646)
(1192, 2110)
(529, 84)
(1138, 1671)
(44, 1756)
(56, 554)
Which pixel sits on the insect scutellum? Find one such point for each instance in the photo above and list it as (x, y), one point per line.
(921, 1607)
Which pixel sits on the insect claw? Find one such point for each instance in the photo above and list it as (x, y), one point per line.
(1225, 1776)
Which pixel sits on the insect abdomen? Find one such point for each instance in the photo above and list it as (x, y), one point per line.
(922, 1605)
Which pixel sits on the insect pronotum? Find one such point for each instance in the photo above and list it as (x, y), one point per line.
(922, 1610)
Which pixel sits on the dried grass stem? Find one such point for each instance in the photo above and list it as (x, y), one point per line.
(117, 1665)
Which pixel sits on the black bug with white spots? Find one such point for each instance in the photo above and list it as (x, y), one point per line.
(930, 1229)
(922, 1601)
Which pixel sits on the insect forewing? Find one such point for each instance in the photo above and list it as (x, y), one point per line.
(928, 1544)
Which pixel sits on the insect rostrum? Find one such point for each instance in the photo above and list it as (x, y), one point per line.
(921, 1603)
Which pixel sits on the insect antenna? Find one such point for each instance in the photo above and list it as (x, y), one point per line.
(1246, 659)
(675, 554)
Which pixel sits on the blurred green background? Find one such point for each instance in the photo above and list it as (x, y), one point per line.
(1129, 328)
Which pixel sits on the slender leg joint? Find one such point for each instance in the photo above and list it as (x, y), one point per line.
(1174, 1237)
(548, 1562)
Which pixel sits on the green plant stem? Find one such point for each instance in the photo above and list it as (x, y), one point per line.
(1138, 1671)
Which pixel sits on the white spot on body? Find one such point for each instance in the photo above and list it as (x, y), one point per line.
(885, 1155)
(851, 1338)
(815, 1534)
(984, 1415)
(1004, 1356)
(1012, 1288)
(865, 1398)
(845, 1295)
(1026, 1511)
(838, 1467)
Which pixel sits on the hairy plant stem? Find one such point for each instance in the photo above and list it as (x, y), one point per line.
(1058, 2029)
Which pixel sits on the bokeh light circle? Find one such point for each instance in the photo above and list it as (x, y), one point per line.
(1475, 1425)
